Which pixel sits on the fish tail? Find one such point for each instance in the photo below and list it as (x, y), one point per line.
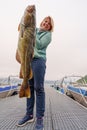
(25, 92)
(22, 92)
(28, 92)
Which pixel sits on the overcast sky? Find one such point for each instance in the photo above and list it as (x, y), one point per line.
(67, 53)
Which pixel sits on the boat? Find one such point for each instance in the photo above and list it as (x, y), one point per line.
(73, 86)
(64, 82)
(9, 86)
(79, 93)
(61, 85)
(8, 90)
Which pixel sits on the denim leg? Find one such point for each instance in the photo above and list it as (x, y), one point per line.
(40, 103)
(30, 101)
(38, 66)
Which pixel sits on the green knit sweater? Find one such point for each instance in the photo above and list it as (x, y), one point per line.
(43, 38)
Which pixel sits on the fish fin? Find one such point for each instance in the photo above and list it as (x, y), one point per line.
(18, 57)
(20, 74)
(31, 74)
(22, 92)
(19, 27)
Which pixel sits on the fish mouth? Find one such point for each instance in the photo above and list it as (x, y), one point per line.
(30, 8)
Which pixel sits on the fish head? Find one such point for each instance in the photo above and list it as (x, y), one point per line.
(30, 8)
(30, 15)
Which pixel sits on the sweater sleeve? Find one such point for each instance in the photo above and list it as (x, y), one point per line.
(44, 41)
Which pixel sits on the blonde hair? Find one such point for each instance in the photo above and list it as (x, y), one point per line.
(51, 22)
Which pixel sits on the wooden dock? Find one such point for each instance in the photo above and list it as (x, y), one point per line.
(62, 113)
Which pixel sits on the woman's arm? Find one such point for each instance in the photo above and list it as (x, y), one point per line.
(43, 41)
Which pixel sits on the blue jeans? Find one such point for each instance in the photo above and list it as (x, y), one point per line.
(37, 87)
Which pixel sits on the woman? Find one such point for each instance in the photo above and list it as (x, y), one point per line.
(43, 39)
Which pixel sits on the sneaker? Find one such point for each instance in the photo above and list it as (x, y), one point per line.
(26, 119)
(39, 124)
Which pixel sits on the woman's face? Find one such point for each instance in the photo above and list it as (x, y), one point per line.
(46, 24)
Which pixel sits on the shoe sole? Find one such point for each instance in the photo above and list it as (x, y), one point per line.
(30, 121)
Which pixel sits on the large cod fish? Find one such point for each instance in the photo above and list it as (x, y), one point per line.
(25, 50)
